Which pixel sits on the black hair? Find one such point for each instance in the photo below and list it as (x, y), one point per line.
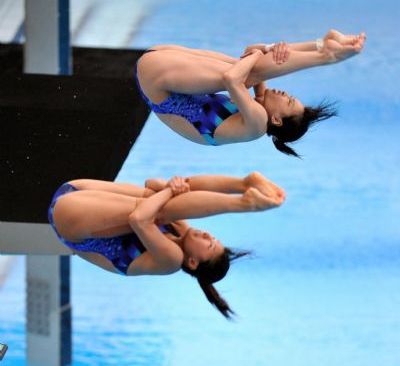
(209, 272)
(294, 127)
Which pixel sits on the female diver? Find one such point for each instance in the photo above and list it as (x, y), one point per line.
(180, 85)
(136, 231)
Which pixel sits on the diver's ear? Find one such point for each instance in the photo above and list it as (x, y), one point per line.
(192, 263)
(276, 120)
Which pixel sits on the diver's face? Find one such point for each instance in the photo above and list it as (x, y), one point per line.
(280, 104)
(200, 246)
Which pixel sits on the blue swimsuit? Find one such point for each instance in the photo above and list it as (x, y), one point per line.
(204, 111)
(120, 250)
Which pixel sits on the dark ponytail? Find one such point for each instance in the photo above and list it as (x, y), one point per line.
(212, 271)
(293, 128)
(214, 298)
(284, 148)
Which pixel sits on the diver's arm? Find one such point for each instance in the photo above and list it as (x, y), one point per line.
(163, 255)
(180, 226)
(259, 90)
(147, 209)
(155, 184)
(263, 47)
(253, 115)
(241, 70)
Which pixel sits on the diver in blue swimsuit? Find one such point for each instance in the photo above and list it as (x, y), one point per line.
(134, 231)
(120, 250)
(186, 83)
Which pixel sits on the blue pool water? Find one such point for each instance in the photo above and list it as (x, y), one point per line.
(323, 287)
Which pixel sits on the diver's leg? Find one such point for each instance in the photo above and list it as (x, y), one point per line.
(114, 187)
(198, 52)
(224, 184)
(217, 183)
(227, 184)
(337, 48)
(166, 71)
(199, 204)
(91, 213)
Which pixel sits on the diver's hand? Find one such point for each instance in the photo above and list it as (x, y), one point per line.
(178, 185)
(238, 73)
(250, 49)
(155, 184)
(280, 52)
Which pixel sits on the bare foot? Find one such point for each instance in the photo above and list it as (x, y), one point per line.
(256, 201)
(345, 39)
(336, 52)
(265, 186)
(339, 47)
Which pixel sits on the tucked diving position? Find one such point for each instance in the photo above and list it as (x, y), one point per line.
(181, 86)
(132, 230)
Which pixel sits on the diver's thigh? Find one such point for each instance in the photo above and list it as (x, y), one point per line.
(89, 214)
(114, 187)
(198, 52)
(179, 72)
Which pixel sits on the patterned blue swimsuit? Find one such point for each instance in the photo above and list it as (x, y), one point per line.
(204, 111)
(120, 250)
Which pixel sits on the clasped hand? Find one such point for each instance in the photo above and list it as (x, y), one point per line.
(280, 51)
(178, 185)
